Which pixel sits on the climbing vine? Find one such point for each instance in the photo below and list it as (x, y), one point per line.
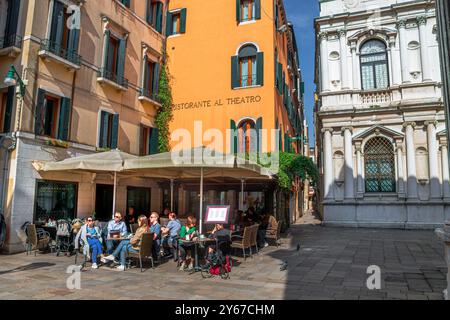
(294, 166)
(164, 115)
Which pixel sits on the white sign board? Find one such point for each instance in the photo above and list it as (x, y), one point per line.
(217, 214)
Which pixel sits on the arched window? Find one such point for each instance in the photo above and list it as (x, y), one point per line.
(247, 136)
(379, 165)
(247, 65)
(374, 65)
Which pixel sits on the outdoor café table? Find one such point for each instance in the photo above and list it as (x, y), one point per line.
(196, 243)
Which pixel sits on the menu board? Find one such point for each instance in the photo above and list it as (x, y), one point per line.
(217, 214)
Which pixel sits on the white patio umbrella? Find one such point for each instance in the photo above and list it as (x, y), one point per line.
(108, 161)
(198, 162)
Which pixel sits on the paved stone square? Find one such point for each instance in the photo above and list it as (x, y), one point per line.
(331, 264)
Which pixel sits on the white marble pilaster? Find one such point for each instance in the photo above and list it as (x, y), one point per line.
(411, 160)
(426, 68)
(328, 163)
(435, 188)
(348, 158)
(343, 55)
(395, 63)
(400, 174)
(445, 170)
(323, 36)
(401, 26)
(355, 67)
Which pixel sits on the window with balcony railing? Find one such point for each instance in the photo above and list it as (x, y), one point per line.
(150, 79)
(154, 15)
(62, 41)
(247, 67)
(114, 60)
(10, 38)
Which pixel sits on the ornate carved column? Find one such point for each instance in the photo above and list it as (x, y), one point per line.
(426, 68)
(401, 25)
(359, 165)
(400, 174)
(348, 157)
(323, 36)
(435, 188)
(343, 54)
(445, 170)
(411, 160)
(355, 68)
(328, 163)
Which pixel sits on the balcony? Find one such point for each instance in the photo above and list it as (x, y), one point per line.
(105, 76)
(53, 51)
(11, 45)
(146, 96)
(376, 98)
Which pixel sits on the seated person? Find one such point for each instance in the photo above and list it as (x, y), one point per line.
(187, 233)
(131, 245)
(115, 225)
(172, 230)
(269, 225)
(131, 217)
(223, 237)
(91, 237)
(155, 228)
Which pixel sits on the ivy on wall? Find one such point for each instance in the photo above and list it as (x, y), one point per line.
(294, 166)
(164, 115)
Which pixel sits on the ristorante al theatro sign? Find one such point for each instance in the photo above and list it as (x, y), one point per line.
(217, 102)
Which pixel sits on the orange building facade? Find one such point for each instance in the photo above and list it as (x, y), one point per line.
(234, 65)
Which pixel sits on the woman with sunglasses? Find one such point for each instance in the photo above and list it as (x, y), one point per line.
(91, 237)
(131, 245)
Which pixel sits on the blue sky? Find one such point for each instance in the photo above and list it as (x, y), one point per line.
(302, 13)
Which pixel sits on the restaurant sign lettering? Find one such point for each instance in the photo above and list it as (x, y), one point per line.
(217, 102)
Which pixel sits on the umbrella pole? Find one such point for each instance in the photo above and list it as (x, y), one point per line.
(201, 200)
(171, 194)
(114, 194)
(241, 196)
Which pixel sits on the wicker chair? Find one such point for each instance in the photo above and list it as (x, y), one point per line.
(145, 249)
(243, 242)
(37, 239)
(134, 227)
(274, 234)
(254, 237)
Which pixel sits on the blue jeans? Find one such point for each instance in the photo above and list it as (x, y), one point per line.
(110, 245)
(96, 248)
(122, 249)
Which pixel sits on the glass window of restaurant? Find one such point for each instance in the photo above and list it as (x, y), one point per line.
(139, 199)
(56, 200)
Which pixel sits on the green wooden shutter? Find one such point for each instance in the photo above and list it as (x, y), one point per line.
(155, 84)
(104, 120)
(235, 83)
(149, 12)
(145, 83)
(258, 127)
(234, 138)
(12, 21)
(279, 77)
(286, 142)
(141, 140)
(57, 28)
(154, 141)
(302, 88)
(106, 49)
(8, 111)
(183, 20)
(121, 60)
(169, 30)
(39, 113)
(260, 68)
(64, 119)
(126, 3)
(114, 131)
(159, 14)
(238, 11)
(257, 9)
(74, 36)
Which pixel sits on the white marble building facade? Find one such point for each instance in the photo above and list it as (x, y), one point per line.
(383, 147)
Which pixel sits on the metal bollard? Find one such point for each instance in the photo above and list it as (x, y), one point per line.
(444, 235)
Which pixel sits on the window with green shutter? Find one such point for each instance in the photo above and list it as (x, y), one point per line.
(176, 22)
(109, 130)
(233, 137)
(7, 102)
(10, 37)
(248, 10)
(154, 140)
(144, 141)
(247, 68)
(126, 3)
(114, 59)
(52, 116)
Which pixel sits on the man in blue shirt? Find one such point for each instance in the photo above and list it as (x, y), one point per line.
(115, 225)
(172, 231)
(155, 228)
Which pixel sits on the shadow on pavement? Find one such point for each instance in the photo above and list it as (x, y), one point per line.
(28, 267)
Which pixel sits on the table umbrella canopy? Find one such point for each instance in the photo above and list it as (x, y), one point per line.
(187, 163)
(108, 161)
